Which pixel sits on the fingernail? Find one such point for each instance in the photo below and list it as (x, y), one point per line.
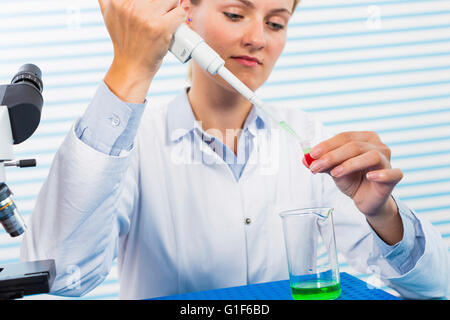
(317, 165)
(336, 172)
(372, 175)
(315, 152)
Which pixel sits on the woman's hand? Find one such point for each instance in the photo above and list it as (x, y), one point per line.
(360, 166)
(141, 31)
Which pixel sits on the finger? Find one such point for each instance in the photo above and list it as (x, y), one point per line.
(341, 139)
(165, 6)
(368, 160)
(337, 156)
(388, 176)
(103, 5)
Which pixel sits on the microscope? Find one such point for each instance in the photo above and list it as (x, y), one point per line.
(20, 113)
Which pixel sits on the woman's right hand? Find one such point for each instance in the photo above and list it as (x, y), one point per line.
(141, 31)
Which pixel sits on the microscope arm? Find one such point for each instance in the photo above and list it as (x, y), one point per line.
(6, 141)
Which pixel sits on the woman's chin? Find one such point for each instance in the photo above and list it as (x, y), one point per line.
(245, 77)
(249, 80)
(249, 84)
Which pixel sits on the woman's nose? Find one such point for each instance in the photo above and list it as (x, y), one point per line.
(254, 36)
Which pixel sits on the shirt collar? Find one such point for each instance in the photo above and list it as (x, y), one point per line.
(181, 119)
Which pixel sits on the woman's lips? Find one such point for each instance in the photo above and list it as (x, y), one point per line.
(247, 61)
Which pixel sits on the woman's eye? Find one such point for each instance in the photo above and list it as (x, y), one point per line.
(236, 17)
(233, 16)
(275, 26)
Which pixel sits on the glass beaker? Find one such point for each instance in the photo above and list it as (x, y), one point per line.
(311, 253)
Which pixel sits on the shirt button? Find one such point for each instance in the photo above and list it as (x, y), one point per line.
(115, 121)
(248, 221)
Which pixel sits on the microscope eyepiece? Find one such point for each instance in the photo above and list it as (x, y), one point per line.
(30, 74)
(24, 100)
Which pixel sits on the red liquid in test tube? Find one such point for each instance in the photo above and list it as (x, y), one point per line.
(308, 159)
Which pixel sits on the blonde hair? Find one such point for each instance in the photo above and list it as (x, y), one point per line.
(196, 2)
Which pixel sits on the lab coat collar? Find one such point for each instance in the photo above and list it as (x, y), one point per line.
(181, 120)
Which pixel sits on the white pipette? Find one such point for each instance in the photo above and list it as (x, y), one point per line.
(187, 44)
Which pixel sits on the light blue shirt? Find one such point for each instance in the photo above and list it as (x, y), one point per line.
(112, 128)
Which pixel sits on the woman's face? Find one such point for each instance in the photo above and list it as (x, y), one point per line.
(242, 30)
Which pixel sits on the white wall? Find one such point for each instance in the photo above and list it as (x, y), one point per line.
(355, 64)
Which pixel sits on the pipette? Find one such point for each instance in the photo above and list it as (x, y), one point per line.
(250, 95)
(187, 44)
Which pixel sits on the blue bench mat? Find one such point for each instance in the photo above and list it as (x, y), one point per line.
(352, 289)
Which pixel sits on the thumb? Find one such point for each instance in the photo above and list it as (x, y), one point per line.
(103, 5)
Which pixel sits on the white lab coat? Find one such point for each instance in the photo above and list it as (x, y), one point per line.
(177, 227)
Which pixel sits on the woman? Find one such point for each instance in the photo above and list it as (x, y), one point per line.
(187, 198)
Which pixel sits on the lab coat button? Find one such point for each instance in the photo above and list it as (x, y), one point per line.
(115, 121)
(248, 221)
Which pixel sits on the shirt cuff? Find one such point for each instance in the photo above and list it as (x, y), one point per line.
(109, 125)
(403, 255)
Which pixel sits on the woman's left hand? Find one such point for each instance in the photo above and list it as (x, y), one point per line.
(360, 166)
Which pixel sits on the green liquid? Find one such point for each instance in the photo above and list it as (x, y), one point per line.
(316, 290)
(286, 127)
(291, 131)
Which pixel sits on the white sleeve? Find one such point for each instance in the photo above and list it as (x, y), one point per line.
(84, 206)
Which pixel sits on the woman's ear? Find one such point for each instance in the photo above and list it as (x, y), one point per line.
(187, 6)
